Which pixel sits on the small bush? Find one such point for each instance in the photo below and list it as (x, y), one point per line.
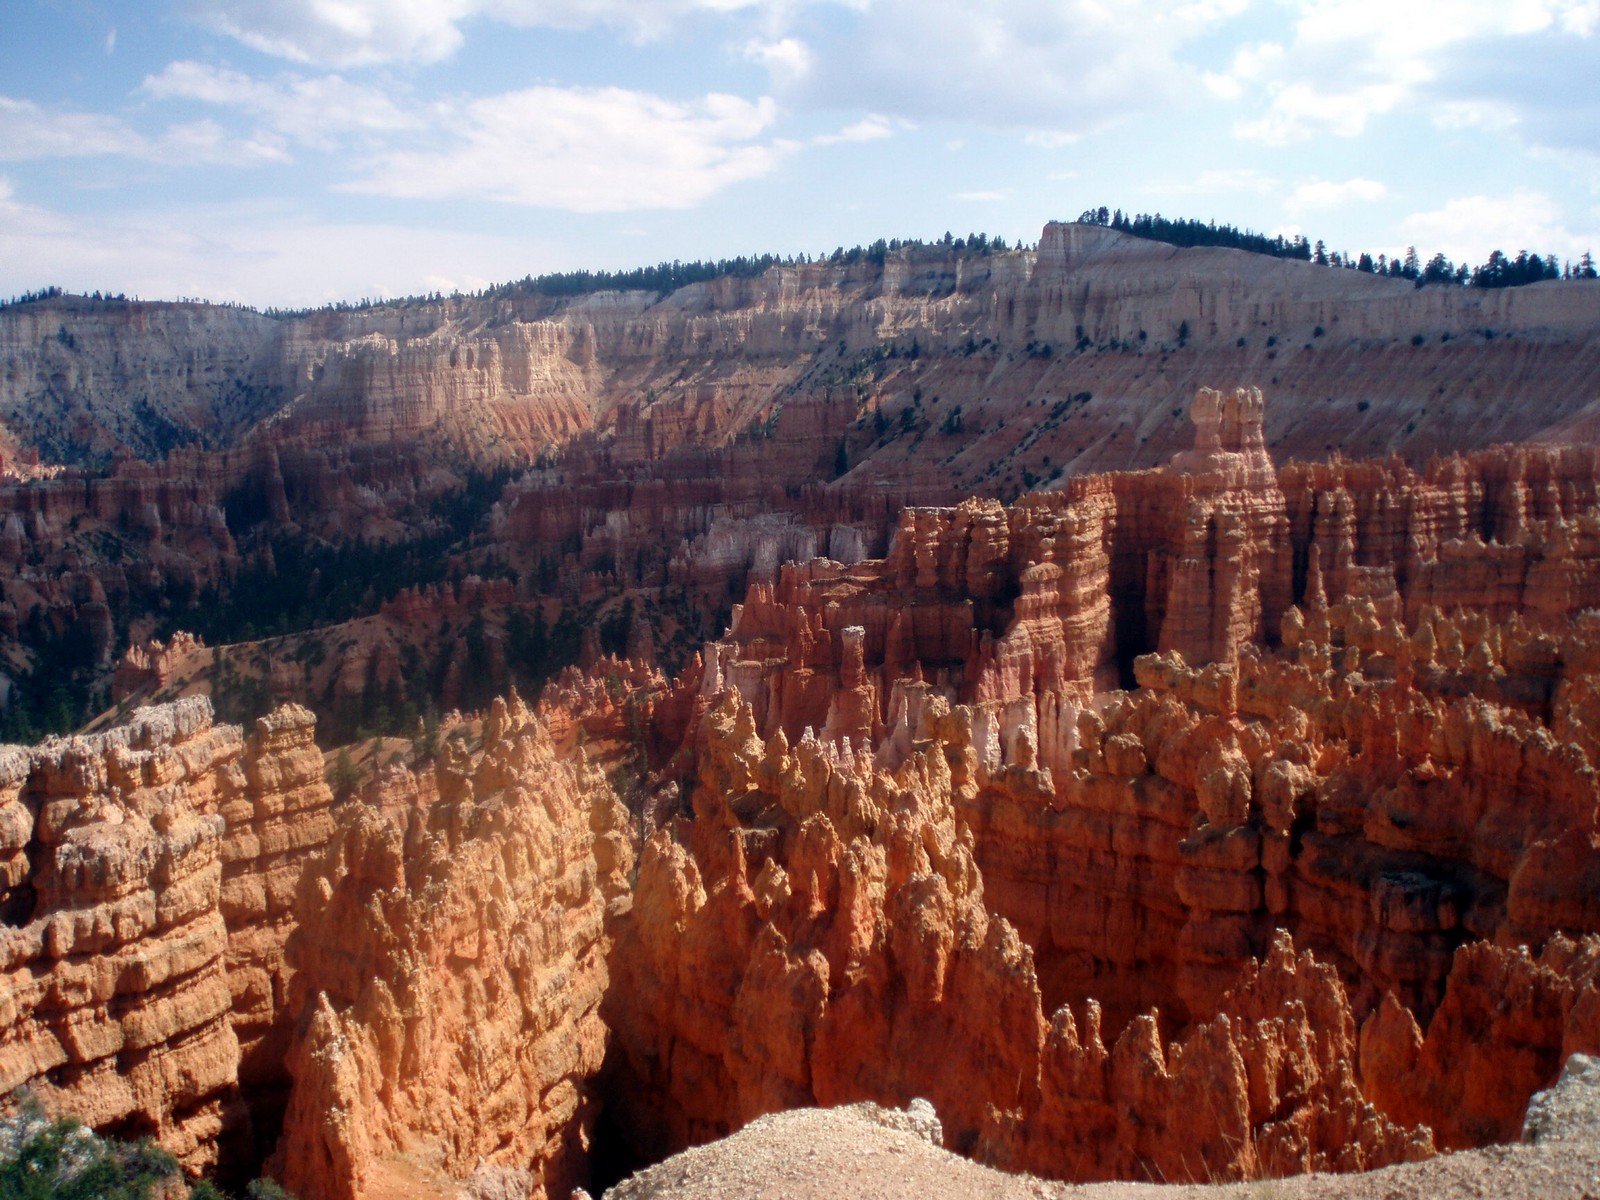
(41, 1159)
(267, 1189)
(343, 776)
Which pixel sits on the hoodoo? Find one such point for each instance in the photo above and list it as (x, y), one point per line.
(1205, 822)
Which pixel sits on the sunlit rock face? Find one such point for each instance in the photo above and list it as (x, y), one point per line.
(450, 964)
(1207, 821)
(1407, 792)
(820, 935)
(148, 879)
(153, 454)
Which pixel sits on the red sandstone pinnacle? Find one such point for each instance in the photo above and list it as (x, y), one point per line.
(858, 961)
(934, 852)
(1347, 788)
(147, 872)
(450, 957)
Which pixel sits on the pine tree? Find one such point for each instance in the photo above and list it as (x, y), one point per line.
(343, 777)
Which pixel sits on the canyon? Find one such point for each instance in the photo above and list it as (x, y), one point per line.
(936, 689)
(161, 459)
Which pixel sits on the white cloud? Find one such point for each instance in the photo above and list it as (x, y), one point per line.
(251, 254)
(205, 141)
(1323, 193)
(580, 149)
(1218, 182)
(1299, 111)
(343, 33)
(1350, 61)
(1401, 30)
(1535, 89)
(585, 150)
(788, 60)
(1258, 60)
(982, 197)
(1580, 18)
(1467, 229)
(308, 110)
(29, 131)
(872, 128)
(1495, 115)
(357, 33)
(1056, 68)
(1223, 87)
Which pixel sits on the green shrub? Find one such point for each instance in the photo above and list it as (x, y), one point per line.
(43, 1159)
(267, 1189)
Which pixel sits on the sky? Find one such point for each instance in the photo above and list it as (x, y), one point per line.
(296, 152)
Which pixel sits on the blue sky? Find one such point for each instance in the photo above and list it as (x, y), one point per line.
(293, 152)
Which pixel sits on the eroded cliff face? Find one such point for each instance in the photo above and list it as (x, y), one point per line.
(916, 799)
(198, 948)
(143, 944)
(84, 377)
(1089, 310)
(826, 930)
(696, 440)
(1204, 822)
(819, 934)
(450, 963)
(277, 820)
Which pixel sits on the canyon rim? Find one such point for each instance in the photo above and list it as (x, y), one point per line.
(1142, 701)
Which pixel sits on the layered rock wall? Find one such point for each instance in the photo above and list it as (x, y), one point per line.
(1089, 311)
(819, 934)
(1262, 911)
(139, 947)
(278, 817)
(450, 963)
(1409, 793)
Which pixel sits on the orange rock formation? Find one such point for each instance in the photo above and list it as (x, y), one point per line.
(450, 963)
(1411, 797)
(818, 934)
(1203, 822)
(142, 974)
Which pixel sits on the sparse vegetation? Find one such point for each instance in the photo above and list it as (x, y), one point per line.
(1501, 270)
(667, 277)
(343, 776)
(44, 1159)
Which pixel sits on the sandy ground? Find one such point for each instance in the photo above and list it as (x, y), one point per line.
(827, 1154)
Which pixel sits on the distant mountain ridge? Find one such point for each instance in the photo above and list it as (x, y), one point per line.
(507, 377)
